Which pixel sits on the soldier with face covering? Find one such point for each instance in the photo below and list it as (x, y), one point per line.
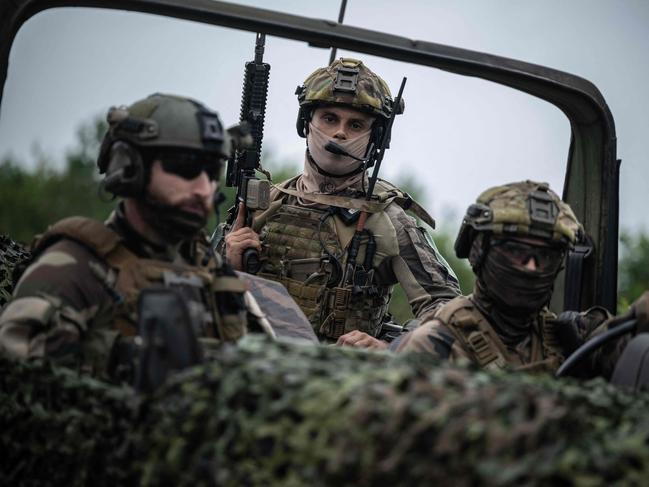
(78, 301)
(304, 236)
(516, 237)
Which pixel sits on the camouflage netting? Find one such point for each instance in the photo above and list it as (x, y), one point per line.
(11, 255)
(276, 414)
(60, 428)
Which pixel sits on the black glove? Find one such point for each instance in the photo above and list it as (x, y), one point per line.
(567, 328)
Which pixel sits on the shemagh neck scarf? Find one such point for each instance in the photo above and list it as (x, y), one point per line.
(337, 167)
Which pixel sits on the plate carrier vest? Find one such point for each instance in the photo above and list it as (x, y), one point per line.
(214, 311)
(484, 346)
(297, 245)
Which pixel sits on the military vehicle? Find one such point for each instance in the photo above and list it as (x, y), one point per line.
(275, 413)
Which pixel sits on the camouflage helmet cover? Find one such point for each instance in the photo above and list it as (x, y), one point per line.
(166, 121)
(347, 82)
(524, 208)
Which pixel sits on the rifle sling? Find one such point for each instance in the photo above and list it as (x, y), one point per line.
(407, 204)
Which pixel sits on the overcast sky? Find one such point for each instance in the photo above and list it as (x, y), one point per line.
(458, 135)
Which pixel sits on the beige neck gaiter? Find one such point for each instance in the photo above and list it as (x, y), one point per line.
(339, 167)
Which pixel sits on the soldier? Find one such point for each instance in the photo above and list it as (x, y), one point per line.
(304, 237)
(515, 237)
(78, 300)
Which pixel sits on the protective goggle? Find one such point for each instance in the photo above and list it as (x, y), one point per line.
(547, 258)
(190, 165)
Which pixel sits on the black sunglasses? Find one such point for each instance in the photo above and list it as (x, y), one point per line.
(189, 166)
(548, 258)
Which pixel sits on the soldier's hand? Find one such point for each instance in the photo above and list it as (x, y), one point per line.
(640, 309)
(361, 339)
(239, 239)
(566, 328)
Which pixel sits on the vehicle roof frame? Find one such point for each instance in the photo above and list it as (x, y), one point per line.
(591, 183)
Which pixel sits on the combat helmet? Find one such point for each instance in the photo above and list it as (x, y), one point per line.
(156, 124)
(347, 82)
(526, 208)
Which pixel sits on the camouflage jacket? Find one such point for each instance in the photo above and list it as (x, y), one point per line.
(296, 238)
(74, 305)
(449, 335)
(459, 331)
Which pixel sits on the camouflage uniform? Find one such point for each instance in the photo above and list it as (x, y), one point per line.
(305, 238)
(78, 300)
(483, 328)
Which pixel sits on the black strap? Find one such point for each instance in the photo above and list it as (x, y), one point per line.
(574, 275)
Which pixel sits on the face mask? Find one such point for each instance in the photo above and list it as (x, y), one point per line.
(519, 292)
(334, 164)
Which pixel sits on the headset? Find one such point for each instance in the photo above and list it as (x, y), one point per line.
(467, 233)
(126, 173)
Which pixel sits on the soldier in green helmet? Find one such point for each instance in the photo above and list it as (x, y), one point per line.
(304, 236)
(78, 301)
(516, 237)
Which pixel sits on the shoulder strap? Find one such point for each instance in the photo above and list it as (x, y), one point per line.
(92, 234)
(550, 341)
(361, 204)
(471, 328)
(388, 194)
(388, 191)
(275, 189)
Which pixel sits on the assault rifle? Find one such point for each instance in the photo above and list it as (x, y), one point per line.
(252, 192)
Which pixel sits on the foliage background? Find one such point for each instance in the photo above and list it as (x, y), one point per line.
(30, 200)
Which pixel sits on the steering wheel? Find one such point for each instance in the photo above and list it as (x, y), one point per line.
(632, 368)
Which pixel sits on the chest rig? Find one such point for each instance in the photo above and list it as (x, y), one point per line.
(304, 249)
(484, 346)
(215, 302)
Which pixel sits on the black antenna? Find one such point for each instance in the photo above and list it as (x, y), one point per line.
(341, 17)
(385, 140)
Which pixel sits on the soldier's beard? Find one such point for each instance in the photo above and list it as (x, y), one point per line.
(171, 222)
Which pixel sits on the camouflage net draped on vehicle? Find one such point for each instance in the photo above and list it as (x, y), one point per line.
(268, 413)
(12, 254)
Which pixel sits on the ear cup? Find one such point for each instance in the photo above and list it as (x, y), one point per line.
(302, 123)
(464, 240)
(125, 171)
(478, 250)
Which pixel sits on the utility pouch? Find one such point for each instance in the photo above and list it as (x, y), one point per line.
(168, 342)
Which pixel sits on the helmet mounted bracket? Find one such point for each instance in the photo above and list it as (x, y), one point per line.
(542, 209)
(346, 79)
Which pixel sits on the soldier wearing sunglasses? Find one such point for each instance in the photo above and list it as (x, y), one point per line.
(79, 300)
(515, 237)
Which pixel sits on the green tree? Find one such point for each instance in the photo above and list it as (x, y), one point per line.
(633, 268)
(31, 200)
